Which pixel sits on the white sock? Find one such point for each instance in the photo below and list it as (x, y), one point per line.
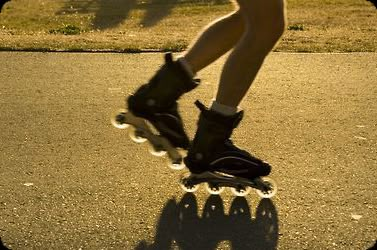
(186, 66)
(223, 109)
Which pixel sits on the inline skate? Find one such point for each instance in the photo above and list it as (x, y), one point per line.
(153, 115)
(213, 159)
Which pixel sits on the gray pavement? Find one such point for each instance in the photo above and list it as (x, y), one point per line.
(69, 180)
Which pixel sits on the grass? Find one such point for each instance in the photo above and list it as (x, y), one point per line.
(296, 27)
(162, 25)
(66, 29)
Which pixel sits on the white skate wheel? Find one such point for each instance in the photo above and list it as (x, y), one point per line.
(187, 186)
(155, 152)
(190, 188)
(135, 137)
(214, 189)
(272, 188)
(117, 120)
(241, 191)
(176, 166)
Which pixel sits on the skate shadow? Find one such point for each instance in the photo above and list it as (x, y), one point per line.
(2, 246)
(111, 13)
(180, 225)
(2, 3)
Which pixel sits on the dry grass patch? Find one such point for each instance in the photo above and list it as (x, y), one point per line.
(136, 25)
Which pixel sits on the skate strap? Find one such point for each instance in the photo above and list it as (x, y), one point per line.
(233, 120)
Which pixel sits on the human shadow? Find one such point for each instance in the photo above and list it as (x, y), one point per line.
(181, 225)
(156, 11)
(107, 13)
(111, 13)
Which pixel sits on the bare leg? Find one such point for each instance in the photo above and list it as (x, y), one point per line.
(264, 24)
(216, 39)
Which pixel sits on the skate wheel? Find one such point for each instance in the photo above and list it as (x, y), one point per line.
(214, 189)
(156, 150)
(176, 166)
(136, 135)
(118, 119)
(269, 189)
(190, 188)
(240, 190)
(187, 186)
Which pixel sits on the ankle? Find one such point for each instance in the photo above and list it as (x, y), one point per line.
(186, 66)
(223, 109)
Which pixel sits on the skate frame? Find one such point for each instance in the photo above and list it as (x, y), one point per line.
(143, 130)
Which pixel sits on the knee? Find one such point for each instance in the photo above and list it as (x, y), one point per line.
(279, 25)
(274, 30)
(265, 38)
(265, 21)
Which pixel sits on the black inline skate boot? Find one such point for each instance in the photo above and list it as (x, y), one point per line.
(157, 101)
(214, 159)
(153, 111)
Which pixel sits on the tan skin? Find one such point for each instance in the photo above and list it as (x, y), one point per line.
(250, 33)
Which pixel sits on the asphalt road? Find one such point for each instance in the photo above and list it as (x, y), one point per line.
(69, 180)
